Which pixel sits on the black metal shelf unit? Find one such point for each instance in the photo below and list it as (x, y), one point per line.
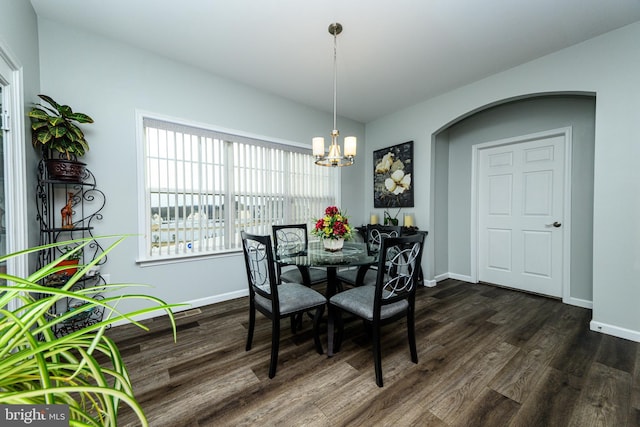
(67, 210)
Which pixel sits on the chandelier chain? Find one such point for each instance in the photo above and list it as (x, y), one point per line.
(335, 76)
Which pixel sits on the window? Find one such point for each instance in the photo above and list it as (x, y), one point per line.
(202, 187)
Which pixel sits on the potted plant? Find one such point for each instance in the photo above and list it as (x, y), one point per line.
(82, 369)
(391, 220)
(71, 255)
(55, 129)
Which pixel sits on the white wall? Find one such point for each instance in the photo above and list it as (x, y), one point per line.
(109, 81)
(19, 39)
(609, 66)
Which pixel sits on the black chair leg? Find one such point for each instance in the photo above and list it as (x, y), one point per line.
(340, 333)
(377, 356)
(330, 330)
(316, 329)
(275, 344)
(367, 328)
(252, 323)
(411, 331)
(296, 322)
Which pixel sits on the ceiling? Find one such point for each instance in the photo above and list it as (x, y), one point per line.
(390, 54)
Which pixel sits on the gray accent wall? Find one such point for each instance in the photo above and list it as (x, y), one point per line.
(440, 233)
(509, 120)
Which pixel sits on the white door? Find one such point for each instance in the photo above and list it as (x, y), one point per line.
(520, 214)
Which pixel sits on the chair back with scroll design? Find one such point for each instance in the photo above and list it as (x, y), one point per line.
(376, 232)
(292, 240)
(392, 298)
(373, 237)
(401, 258)
(273, 300)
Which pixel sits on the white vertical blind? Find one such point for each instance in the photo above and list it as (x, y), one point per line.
(203, 187)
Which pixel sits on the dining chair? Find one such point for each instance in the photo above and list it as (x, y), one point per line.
(291, 240)
(373, 238)
(275, 301)
(391, 299)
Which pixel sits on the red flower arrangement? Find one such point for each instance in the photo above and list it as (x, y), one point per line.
(334, 225)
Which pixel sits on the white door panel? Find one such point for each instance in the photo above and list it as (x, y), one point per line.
(499, 250)
(520, 194)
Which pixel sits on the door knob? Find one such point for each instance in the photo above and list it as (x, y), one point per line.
(556, 224)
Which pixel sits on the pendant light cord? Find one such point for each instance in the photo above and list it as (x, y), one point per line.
(335, 75)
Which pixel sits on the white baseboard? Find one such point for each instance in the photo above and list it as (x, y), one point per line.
(579, 302)
(441, 277)
(616, 331)
(461, 277)
(445, 276)
(200, 302)
(455, 276)
(429, 283)
(218, 298)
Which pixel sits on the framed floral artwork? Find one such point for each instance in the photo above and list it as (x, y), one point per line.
(392, 176)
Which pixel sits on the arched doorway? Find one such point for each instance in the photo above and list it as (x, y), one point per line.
(451, 191)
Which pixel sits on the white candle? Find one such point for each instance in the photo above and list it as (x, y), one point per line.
(408, 220)
(373, 219)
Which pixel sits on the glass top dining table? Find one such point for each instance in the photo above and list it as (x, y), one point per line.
(353, 254)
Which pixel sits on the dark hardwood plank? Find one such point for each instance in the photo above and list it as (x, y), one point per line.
(604, 400)
(487, 356)
(635, 390)
(519, 377)
(464, 383)
(489, 409)
(550, 402)
(616, 353)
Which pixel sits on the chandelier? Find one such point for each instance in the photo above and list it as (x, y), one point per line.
(334, 158)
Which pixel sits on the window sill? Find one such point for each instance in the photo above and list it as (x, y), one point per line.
(175, 259)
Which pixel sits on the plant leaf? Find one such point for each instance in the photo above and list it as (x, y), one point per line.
(80, 118)
(37, 113)
(49, 101)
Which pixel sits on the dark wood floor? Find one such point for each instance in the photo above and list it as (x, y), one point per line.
(487, 357)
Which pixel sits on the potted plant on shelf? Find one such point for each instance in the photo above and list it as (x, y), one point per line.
(55, 130)
(71, 256)
(82, 369)
(333, 228)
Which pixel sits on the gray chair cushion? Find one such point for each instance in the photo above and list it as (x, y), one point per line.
(350, 275)
(293, 297)
(293, 275)
(359, 301)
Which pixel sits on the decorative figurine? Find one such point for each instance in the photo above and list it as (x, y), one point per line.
(67, 213)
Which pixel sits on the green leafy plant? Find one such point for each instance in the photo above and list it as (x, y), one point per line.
(391, 220)
(55, 127)
(82, 369)
(71, 252)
